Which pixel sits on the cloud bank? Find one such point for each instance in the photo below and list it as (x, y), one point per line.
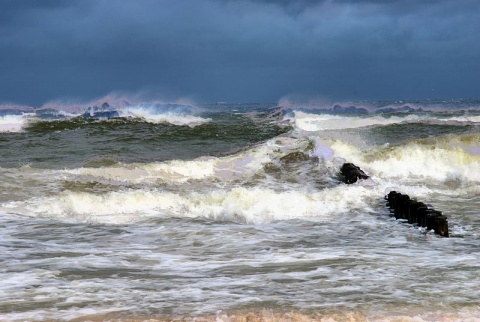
(239, 50)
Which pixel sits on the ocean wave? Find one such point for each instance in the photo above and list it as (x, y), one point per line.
(230, 195)
(238, 166)
(380, 106)
(171, 113)
(14, 122)
(246, 205)
(176, 114)
(452, 158)
(18, 119)
(319, 122)
(314, 122)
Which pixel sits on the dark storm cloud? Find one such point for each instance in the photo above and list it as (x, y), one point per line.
(239, 50)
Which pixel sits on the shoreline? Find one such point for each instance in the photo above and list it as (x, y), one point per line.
(269, 315)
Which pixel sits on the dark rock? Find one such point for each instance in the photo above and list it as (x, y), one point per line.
(351, 173)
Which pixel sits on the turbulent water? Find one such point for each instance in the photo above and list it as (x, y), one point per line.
(226, 211)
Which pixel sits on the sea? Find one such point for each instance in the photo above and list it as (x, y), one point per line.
(154, 211)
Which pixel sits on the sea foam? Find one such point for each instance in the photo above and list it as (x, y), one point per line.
(247, 205)
(164, 113)
(241, 165)
(319, 122)
(13, 123)
(154, 114)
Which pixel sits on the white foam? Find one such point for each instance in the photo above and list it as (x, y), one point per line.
(250, 205)
(433, 162)
(171, 117)
(438, 161)
(238, 166)
(12, 123)
(175, 171)
(465, 118)
(314, 122)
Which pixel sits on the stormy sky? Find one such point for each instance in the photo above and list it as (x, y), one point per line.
(239, 50)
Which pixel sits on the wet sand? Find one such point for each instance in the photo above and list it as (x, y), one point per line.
(266, 315)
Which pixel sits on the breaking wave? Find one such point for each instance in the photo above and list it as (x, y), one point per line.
(246, 205)
(13, 123)
(451, 158)
(18, 119)
(319, 122)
